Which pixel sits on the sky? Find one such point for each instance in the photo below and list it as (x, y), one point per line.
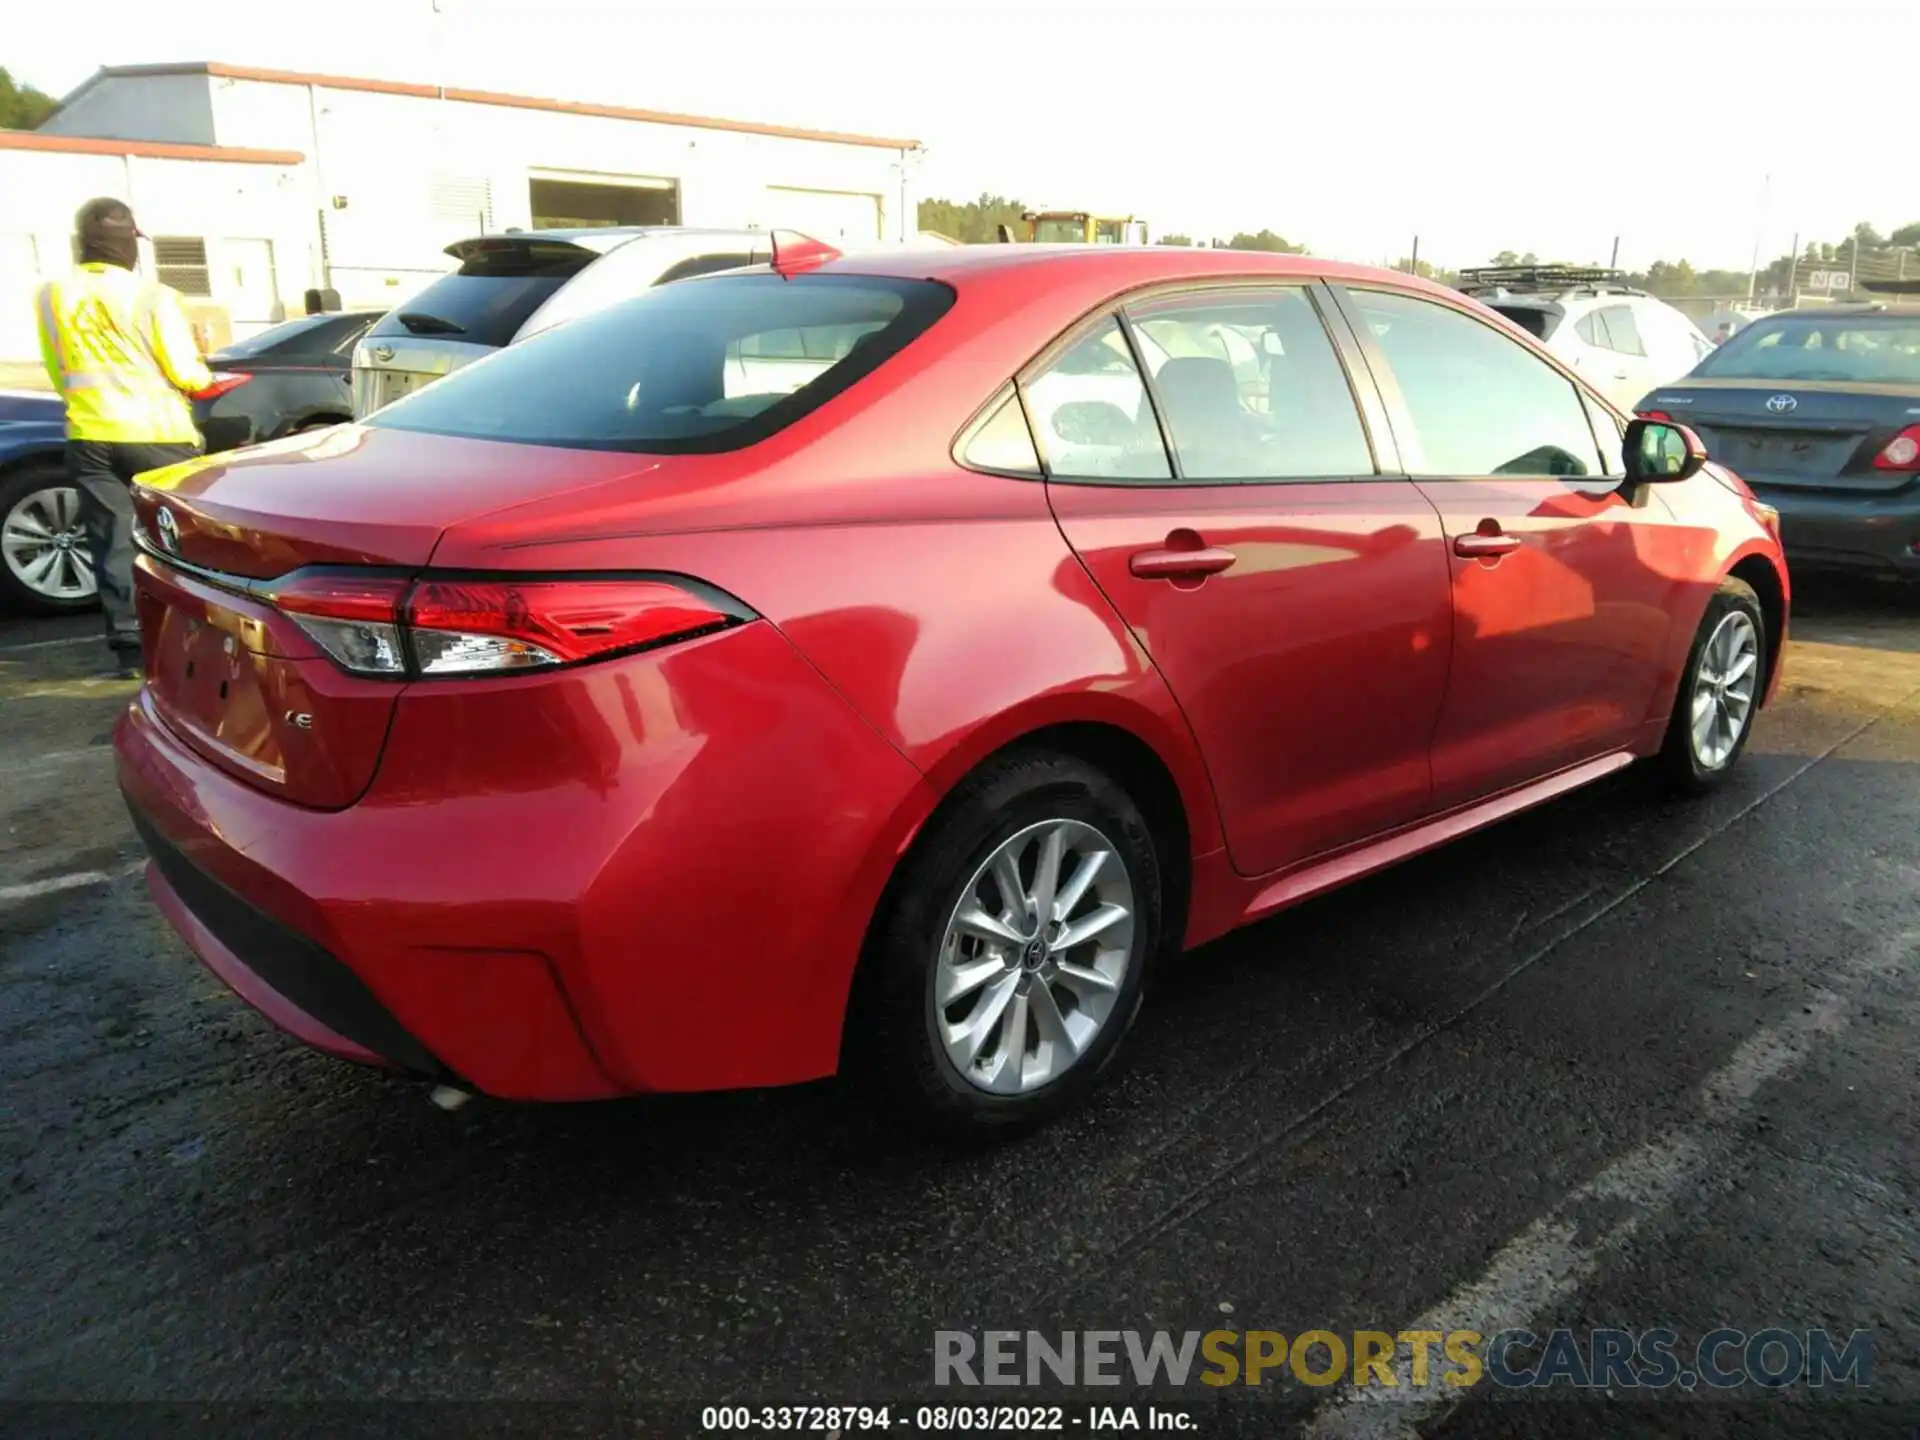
(1684, 129)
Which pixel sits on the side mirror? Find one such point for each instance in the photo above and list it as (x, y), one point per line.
(1658, 452)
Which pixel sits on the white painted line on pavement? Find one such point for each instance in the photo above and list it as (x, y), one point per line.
(34, 889)
(49, 644)
(1549, 1260)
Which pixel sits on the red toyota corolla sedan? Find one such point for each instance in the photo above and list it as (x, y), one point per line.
(885, 663)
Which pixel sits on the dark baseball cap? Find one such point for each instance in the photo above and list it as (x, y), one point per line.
(106, 219)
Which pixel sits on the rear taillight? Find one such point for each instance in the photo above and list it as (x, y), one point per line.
(470, 627)
(1902, 452)
(223, 381)
(449, 626)
(354, 618)
(1662, 416)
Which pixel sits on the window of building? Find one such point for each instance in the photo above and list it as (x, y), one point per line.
(181, 262)
(585, 205)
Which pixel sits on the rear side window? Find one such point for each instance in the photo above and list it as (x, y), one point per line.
(310, 335)
(1623, 329)
(1533, 319)
(1251, 388)
(1091, 415)
(706, 265)
(488, 299)
(702, 366)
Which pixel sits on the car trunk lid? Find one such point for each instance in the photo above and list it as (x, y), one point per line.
(229, 670)
(1800, 435)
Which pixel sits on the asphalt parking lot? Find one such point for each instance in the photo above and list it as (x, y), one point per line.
(1625, 1061)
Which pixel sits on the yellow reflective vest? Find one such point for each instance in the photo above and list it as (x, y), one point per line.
(119, 350)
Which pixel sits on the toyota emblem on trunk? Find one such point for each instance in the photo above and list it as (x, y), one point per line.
(1780, 404)
(383, 353)
(169, 529)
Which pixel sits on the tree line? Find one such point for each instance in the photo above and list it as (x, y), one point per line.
(1863, 252)
(21, 106)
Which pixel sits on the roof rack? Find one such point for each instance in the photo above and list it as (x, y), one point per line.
(1544, 279)
(1892, 287)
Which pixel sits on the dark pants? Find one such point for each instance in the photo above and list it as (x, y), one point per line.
(101, 471)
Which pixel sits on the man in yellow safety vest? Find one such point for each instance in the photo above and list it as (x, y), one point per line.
(119, 350)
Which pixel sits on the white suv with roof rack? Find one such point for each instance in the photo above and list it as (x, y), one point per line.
(517, 283)
(1623, 342)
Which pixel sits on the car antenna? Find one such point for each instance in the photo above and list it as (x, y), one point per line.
(794, 252)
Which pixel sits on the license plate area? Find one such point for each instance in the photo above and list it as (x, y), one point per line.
(1793, 451)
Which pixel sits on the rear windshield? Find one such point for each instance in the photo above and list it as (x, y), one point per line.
(488, 299)
(309, 335)
(1867, 349)
(705, 365)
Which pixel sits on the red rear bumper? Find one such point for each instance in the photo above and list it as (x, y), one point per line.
(652, 874)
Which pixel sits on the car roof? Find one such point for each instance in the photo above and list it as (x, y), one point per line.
(1833, 312)
(605, 237)
(1122, 265)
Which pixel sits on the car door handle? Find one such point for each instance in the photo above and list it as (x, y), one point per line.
(1485, 547)
(1181, 564)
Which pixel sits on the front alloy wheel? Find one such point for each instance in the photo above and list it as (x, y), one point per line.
(1724, 688)
(1719, 692)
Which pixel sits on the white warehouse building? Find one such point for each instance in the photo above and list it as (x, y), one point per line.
(257, 185)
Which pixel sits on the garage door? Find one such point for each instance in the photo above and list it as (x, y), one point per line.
(824, 214)
(19, 278)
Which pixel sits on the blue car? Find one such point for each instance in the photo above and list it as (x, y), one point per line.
(44, 567)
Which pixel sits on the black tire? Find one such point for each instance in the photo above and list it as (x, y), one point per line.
(1679, 763)
(892, 1047)
(43, 472)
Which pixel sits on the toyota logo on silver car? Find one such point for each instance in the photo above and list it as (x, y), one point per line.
(169, 531)
(1780, 404)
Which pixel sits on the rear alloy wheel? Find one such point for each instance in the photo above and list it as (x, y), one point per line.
(1719, 691)
(1034, 956)
(1013, 954)
(45, 566)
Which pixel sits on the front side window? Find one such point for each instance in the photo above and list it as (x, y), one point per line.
(1091, 416)
(1251, 388)
(710, 364)
(1478, 402)
(1609, 432)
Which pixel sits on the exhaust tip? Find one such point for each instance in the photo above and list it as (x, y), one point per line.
(448, 1098)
